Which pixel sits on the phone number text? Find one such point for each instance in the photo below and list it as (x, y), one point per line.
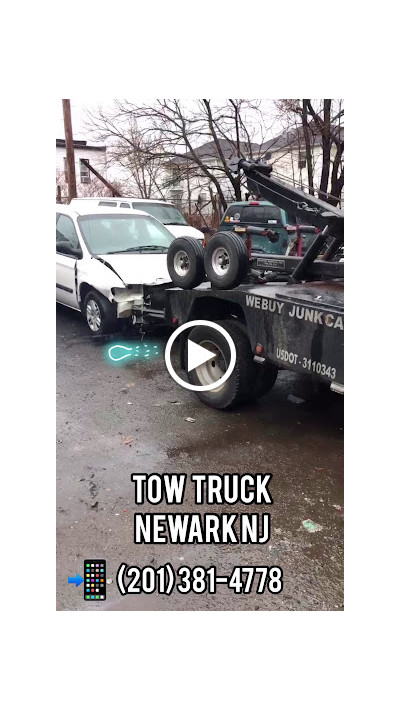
(165, 579)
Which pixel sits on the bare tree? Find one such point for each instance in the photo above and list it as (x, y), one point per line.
(134, 154)
(318, 122)
(169, 134)
(170, 143)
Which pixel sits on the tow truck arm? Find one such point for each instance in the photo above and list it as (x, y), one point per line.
(307, 208)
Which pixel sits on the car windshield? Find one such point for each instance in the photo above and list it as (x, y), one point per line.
(112, 234)
(167, 214)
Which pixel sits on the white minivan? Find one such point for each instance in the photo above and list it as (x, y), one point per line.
(111, 265)
(165, 212)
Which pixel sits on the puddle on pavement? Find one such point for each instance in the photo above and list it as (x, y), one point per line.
(263, 425)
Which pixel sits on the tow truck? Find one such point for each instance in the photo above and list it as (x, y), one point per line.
(281, 311)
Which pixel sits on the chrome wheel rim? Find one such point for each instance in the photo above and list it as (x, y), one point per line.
(181, 263)
(93, 315)
(220, 261)
(213, 369)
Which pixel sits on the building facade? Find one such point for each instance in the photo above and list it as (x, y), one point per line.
(86, 183)
(287, 155)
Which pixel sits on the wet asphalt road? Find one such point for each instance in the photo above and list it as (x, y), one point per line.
(301, 444)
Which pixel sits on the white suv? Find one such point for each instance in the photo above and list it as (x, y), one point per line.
(165, 212)
(111, 265)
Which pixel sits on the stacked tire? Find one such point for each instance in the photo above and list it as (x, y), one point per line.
(185, 262)
(224, 260)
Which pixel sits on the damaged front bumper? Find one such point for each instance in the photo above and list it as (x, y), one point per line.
(141, 302)
(129, 300)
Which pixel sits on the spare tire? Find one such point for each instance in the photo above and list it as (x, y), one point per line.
(226, 260)
(185, 262)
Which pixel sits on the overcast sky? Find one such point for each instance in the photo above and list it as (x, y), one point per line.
(78, 109)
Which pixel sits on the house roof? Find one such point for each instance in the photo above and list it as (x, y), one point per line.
(283, 140)
(209, 150)
(287, 138)
(60, 143)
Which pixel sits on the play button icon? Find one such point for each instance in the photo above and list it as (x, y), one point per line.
(197, 355)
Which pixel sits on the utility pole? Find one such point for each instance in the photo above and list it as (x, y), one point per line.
(69, 143)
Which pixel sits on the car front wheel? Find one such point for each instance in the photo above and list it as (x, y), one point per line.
(100, 315)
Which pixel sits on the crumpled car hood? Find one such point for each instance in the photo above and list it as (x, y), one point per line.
(139, 268)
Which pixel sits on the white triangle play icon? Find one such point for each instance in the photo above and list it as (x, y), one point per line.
(197, 355)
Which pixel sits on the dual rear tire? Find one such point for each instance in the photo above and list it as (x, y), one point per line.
(248, 382)
(224, 260)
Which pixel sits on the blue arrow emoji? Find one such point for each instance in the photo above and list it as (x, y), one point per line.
(77, 579)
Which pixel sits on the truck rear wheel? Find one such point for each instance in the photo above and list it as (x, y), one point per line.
(240, 387)
(185, 262)
(226, 260)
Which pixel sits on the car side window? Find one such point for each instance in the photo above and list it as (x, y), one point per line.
(66, 236)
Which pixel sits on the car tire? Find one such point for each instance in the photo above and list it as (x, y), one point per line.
(185, 262)
(226, 260)
(100, 315)
(243, 379)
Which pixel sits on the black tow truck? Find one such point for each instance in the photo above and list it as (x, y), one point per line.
(281, 311)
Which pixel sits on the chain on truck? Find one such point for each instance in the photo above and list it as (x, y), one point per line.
(281, 311)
